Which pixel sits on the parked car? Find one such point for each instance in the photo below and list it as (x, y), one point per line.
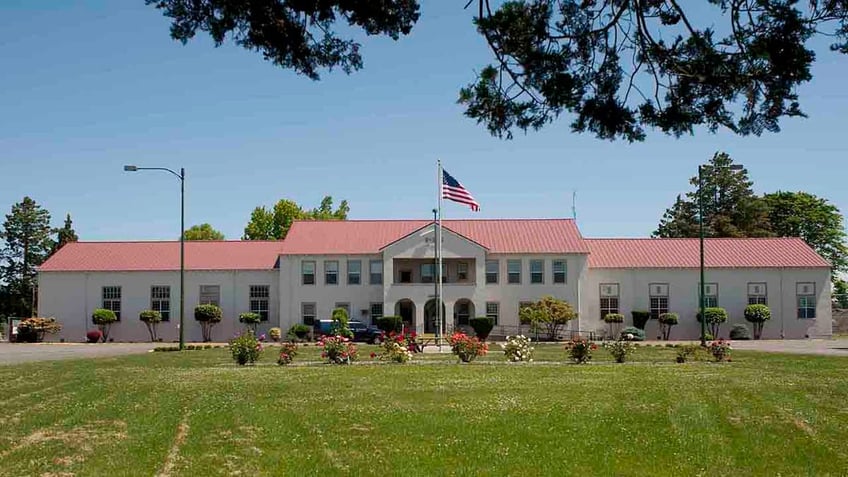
(361, 332)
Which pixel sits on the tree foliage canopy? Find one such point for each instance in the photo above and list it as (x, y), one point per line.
(274, 224)
(66, 234)
(28, 242)
(203, 232)
(618, 67)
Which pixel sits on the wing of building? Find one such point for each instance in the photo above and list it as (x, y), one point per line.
(386, 267)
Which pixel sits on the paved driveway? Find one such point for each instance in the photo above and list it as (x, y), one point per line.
(12, 353)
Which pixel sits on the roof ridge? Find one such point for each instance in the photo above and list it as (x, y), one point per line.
(443, 220)
(170, 241)
(691, 238)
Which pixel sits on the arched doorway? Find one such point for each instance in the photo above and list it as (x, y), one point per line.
(463, 311)
(430, 316)
(405, 309)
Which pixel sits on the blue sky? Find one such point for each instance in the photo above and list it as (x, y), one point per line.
(89, 86)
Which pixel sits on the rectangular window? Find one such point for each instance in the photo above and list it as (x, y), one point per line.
(559, 269)
(462, 271)
(354, 272)
(806, 294)
(493, 310)
(307, 270)
(537, 271)
(112, 300)
(492, 271)
(344, 306)
(376, 312)
(160, 300)
(307, 313)
(376, 272)
(757, 294)
(210, 295)
(658, 293)
(259, 297)
(428, 273)
(609, 299)
(513, 271)
(406, 276)
(710, 295)
(463, 313)
(331, 272)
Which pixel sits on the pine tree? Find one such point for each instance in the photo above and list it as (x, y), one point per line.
(65, 235)
(27, 235)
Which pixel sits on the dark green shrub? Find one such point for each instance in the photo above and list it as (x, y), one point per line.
(298, 331)
(250, 319)
(757, 315)
(151, 319)
(640, 318)
(614, 320)
(740, 332)
(482, 326)
(208, 316)
(104, 318)
(667, 320)
(340, 323)
(715, 317)
(636, 334)
(390, 323)
(245, 348)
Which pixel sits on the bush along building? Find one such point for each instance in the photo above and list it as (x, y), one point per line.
(375, 268)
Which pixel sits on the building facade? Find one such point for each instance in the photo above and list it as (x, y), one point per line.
(491, 268)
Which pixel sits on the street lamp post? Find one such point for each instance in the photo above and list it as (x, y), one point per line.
(701, 298)
(181, 177)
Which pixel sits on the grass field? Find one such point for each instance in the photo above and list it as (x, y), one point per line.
(195, 413)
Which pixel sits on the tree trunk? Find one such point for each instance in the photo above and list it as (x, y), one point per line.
(105, 330)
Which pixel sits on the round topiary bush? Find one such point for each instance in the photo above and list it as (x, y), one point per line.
(104, 318)
(740, 332)
(715, 317)
(208, 315)
(631, 333)
(640, 319)
(757, 315)
(667, 320)
(390, 323)
(298, 331)
(275, 333)
(151, 318)
(482, 326)
(250, 319)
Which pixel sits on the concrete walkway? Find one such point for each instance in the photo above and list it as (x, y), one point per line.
(13, 353)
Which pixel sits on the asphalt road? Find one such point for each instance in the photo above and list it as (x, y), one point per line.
(13, 353)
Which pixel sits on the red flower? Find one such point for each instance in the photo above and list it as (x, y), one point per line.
(373, 355)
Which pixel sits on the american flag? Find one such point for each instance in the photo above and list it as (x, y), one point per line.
(453, 190)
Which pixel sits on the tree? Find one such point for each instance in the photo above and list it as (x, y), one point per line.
(208, 315)
(549, 312)
(26, 233)
(757, 315)
(65, 235)
(203, 232)
(840, 293)
(274, 224)
(731, 209)
(104, 319)
(151, 318)
(817, 221)
(618, 67)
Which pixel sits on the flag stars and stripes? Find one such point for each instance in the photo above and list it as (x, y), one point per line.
(453, 190)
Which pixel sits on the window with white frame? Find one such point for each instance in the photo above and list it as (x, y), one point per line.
(112, 300)
(160, 300)
(354, 272)
(757, 293)
(806, 298)
(376, 272)
(210, 295)
(609, 299)
(710, 295)
(513, 271)
(658, 298)
(492, 271)
(493, 310)
(307, 271)
(537, 271)
(560, 270)
(344, 306)
(462, 271)
(376, 312)
(307, 313)
(259, 298)
(331, 272)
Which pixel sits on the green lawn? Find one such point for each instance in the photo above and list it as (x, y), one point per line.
(195, 413)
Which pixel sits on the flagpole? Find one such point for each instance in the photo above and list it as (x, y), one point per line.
(439, 316)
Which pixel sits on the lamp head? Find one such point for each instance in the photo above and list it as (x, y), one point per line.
(130, 168)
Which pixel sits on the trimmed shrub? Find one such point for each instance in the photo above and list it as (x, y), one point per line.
(517, 348)
(245, 348)
(757, 315)
(482, 326)
(580, 350)
(340, 323)
(93, 336)
(104, 318)
(740, 332)
(636, 334)
(250, 319)
(465, 348)
(390, 324)
(667, 320)
(208, 316)
(298, 331)
(275, 333)
(620, 349)
(640, 319)
(151, 318)
(614, 320)
(287, 353)
(715, 317)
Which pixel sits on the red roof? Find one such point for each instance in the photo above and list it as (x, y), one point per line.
(370, 236)
(163, 256)
(718, 253)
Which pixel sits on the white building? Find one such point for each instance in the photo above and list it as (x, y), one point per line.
(376, 268)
